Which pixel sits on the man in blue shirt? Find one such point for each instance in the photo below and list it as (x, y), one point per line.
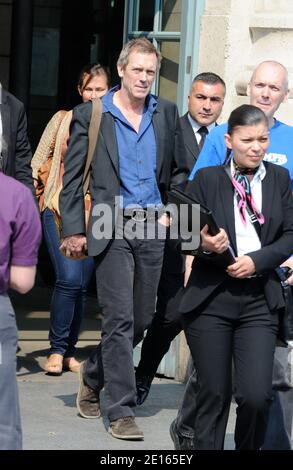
(267, 89)
(139, 154)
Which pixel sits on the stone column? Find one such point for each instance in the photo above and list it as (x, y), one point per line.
(236, 36)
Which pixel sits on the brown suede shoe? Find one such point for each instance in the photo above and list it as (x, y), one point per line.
(126, 428)
(87, 400)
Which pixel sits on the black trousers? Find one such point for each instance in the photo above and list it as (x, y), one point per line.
(233, 324)
(127, 275)
(166, 325)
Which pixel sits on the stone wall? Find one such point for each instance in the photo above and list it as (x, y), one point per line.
(237, 35)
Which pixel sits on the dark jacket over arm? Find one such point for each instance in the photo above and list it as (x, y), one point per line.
(16, 150)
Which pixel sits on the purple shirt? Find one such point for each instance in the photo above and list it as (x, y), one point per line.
(20, 228)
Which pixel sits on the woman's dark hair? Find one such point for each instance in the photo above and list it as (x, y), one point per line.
(245, 115)
(92, 70)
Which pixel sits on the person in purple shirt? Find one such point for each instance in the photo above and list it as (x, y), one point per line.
(20, 230)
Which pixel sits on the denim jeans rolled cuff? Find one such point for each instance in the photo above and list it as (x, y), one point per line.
(69, 294)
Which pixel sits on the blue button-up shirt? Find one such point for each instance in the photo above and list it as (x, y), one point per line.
(137, 155)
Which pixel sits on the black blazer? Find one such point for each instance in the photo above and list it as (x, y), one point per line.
(213, 188)
(105, 181)
(190, 142)
(16, 150)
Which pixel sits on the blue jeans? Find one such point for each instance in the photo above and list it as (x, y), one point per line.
(67, 304)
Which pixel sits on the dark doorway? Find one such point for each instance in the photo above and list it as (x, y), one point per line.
(66, 36)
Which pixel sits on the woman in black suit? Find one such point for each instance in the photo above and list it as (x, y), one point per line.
(233, 313)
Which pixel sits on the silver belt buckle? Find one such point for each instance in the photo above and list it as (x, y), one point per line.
(139, 215)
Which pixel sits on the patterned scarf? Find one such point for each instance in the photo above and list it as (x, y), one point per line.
(243, 193)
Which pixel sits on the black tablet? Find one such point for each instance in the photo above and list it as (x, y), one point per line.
(178, 197)
(194, 209)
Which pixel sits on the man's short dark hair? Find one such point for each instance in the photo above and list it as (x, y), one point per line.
(210, 78)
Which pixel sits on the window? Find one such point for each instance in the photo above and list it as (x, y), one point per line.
(159, 21)
(146, 10)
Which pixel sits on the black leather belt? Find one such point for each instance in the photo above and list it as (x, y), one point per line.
(141, 215)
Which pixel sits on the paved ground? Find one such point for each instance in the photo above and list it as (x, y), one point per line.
(49, 417)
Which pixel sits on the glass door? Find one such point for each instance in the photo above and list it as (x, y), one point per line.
(173, 26)
(159, 21)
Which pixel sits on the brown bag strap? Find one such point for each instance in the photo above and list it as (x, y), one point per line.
(93, 133)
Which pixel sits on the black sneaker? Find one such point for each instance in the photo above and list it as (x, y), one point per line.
(180, 442)
(143, 385)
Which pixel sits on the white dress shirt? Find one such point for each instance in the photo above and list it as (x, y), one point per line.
(195, 126)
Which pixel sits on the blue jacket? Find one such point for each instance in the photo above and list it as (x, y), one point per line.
(279, 152)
